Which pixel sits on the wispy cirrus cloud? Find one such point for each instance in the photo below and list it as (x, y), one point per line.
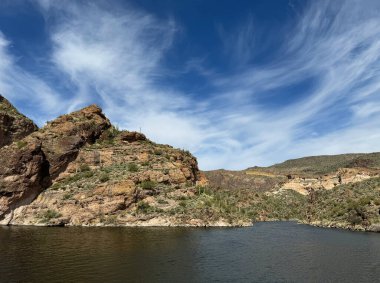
(317, 92)
(338, 46)
(25, 89)
(114, 56)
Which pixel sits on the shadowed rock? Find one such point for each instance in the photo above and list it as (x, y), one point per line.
(13, 125)
(29, 166)
(24, 173)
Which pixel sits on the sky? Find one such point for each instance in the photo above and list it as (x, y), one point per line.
(237, 83)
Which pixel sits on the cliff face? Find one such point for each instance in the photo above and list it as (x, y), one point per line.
(32, 163)
(13, 125)
(80, 170)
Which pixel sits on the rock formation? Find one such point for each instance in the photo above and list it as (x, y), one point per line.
(32, 163)
(80, 170)
(13, 125)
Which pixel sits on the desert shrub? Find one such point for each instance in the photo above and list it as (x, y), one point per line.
(353, 218)
(162, 201)
(84, 168)
(158, 152)
(202, 190)
(87, 174)
(50, 214)
(104, 177)
(145, 163)
(21, 144)
(110, 220)
(142, 206)
(67, 196)
(132, 167)
(148, 185)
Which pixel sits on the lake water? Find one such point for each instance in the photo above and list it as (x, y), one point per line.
(266, 252)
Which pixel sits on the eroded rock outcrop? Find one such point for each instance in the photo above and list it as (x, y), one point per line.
(79, 170)
(117, 180)
(30, 165)
(13, 125)
(304, 185)
(62, 138)
(24, 173)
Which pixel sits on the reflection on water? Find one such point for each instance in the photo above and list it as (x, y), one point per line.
(267, 252)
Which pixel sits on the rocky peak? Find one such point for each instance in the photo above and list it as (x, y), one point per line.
(31, 164)
(63, 137)
(89, 172)
(13, 125)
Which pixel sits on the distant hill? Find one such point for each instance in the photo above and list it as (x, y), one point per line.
(324, 164)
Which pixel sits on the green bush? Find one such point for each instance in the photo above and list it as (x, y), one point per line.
(67, 196)
(84, 168)
(50, 214)
(132, 167)
(148, 185)
(104, 177)
(21, 144)
(158, 152)
(145, 163)
(143, 206)
(87, 174)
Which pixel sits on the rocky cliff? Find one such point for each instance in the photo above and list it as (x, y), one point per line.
(13, 125)
(80, 170)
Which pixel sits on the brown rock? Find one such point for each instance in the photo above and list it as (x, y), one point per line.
(24, 173)
(62, 138)
(131, 136)
(29, 166)
(13, 125)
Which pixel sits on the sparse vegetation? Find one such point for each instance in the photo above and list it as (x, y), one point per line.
(21, 144)
(49, 215)
(104, 177)
(158, 152)
(132, 167)
(148, 185)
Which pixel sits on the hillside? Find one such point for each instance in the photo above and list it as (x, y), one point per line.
(79, 170)
(324, 164)
(332, 191)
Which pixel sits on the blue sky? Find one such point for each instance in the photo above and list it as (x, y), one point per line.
(238, 83)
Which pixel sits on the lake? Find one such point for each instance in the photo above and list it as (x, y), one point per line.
(266, 252)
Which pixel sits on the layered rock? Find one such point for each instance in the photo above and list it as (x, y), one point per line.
(13, 125)
(342, 176)
(79, 170)
(24, 173)
(116, 180)
(30, 165)
(62, 138)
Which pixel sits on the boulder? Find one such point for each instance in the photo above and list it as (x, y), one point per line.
(131, 136)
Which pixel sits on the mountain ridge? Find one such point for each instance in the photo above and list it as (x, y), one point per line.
(79, 170)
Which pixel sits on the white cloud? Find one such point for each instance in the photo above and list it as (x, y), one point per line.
(338, 44)
(26, 90)
(115, 56)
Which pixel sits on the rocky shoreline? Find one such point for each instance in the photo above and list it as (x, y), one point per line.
(222, 223)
